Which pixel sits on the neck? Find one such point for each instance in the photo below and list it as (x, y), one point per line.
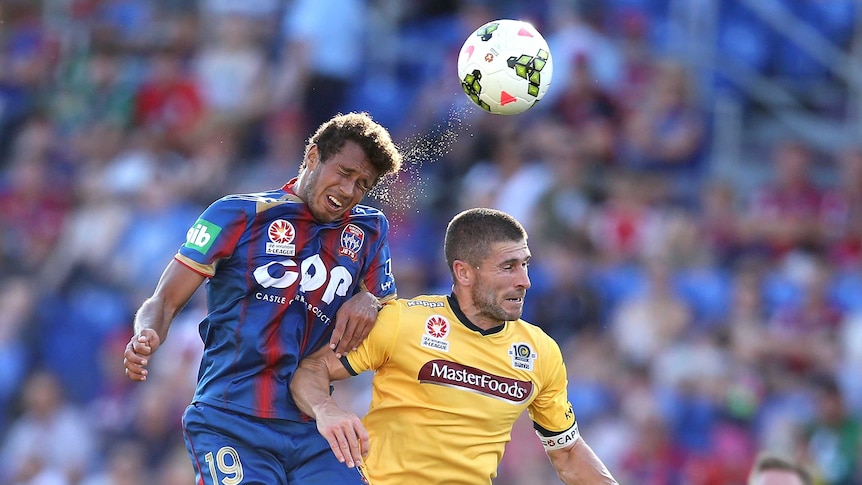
(472, 312)
(298, 185)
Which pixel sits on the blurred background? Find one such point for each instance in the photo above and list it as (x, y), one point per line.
(692, 185)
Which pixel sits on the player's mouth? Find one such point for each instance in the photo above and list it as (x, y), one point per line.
(333, 203)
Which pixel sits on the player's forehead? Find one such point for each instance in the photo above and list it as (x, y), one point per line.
(352, 159)
(508, 251)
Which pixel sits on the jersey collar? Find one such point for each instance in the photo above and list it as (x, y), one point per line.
(456, 309)
(288, 187)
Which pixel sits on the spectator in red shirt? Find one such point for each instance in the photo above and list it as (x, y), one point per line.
(801, 333)
(169, 102)
(33, 200)
(782, 214)
(841, 210)
(589, 110)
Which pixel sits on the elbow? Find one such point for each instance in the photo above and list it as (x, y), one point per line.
(296, 381)
(579, 465)
(297, 388)
(308, 368)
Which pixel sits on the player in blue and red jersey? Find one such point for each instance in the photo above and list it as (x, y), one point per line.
(288, 271)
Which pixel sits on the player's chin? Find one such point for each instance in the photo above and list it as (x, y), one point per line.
(325, 216)
(513, 307)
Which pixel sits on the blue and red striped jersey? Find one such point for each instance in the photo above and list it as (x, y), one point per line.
(276, 277)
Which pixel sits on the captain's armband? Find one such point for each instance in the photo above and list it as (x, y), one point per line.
(557, 441)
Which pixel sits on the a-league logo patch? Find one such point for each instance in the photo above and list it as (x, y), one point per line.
(352, 238)
(522, 356)
(281, 234)
(437, 330)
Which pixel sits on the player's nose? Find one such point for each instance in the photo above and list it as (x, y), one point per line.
(347, 187)
(522, 278)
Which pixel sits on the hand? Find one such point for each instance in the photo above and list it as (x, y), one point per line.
(138, 351)
(347, 438)
(353, 322)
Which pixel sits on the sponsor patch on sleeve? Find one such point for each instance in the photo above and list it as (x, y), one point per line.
(559, 441)
(201, 236)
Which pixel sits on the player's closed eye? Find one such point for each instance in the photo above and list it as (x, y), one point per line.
(362, 185)
(511, 266)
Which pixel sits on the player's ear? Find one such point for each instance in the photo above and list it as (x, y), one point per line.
(463, 272)
(312, 156)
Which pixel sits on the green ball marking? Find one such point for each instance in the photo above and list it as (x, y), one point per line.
(472, 87)
(529, 68)
(487, 32)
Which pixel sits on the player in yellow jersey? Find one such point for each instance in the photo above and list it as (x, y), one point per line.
(453, 373)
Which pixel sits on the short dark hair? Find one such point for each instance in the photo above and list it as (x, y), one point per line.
(372, 137)
(769, 461)
(471, 233)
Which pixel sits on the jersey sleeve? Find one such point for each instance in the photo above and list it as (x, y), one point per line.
(377, 348)
(378, 279)
(213, 236)
(551, 412)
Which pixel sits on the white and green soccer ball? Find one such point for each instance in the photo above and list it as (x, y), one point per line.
(505, 66)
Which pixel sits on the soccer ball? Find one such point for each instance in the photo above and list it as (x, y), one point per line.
(505, 66)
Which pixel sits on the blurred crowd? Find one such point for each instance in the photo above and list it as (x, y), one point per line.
(704, 314)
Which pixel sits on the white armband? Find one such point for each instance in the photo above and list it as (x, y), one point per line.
(561, 440)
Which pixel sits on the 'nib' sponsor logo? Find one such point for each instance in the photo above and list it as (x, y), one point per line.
(201, 236)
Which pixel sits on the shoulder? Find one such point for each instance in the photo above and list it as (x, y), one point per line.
(252, 199)
(425, 304)
(409, 316)
(531, 329)
(227, 211)
(361, 211)
(367, 216)
(276, 196)
(535, 334)
(258, 202)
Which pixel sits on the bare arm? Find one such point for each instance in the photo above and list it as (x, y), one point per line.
(310, 389)
(176, 286)
(579, 465)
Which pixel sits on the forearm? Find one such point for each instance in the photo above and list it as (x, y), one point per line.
(176, 286)
(156, 315)
(310, 387)
(579, 465)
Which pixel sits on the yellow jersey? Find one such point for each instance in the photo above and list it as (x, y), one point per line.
(446, 393)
